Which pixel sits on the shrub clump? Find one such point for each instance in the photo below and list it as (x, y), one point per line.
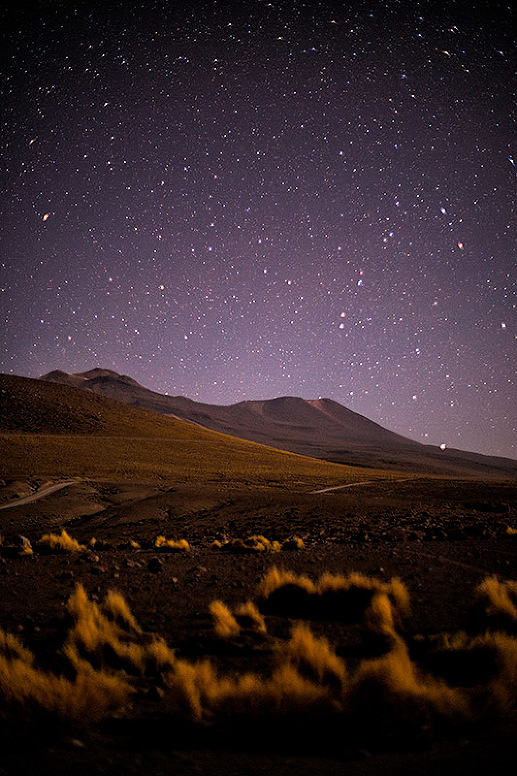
(17, 547)
(495, 606)
(60, 543)
(24, 687)
(256, 543)
(349, 599)
(394, 697)
(171, 545)
(246, 617)
(109, 636)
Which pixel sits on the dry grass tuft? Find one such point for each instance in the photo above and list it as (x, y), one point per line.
(225, 624)
(495, 606)
(110, 637)
(249, 618)
(503, 687)
(491, 661)
(197, 690)
(277, 578)
(245, 618)
(99, 544)
(64, 543)
(90, 696)
(285, 692)
(171, 545)
(387, 698)
(11, 648)
(381, 605)
(391, 698)
(256, 543)
(314, 658)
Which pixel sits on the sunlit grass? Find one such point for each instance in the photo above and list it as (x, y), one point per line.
(376, 698)
(171, 545)
(245, 617)
(495, 605)
(62, 542)
(252, 544)
(381, 605)
(89, 696)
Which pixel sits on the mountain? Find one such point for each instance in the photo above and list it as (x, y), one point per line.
(48, 429)
(320, 428)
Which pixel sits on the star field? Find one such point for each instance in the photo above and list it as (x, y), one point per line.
(242, 200)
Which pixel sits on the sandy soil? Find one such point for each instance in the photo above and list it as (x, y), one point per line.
(441, 538)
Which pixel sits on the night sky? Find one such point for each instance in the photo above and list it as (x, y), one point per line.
(244, 200)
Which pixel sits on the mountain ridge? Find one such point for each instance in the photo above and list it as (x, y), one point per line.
(320, 428)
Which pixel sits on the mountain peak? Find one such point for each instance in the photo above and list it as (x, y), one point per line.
(91, 374)
(65, 378)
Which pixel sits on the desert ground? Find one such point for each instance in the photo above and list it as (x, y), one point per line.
(177, 601)
(440, 537)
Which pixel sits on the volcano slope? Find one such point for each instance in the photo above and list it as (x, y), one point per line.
(320, 428)
(144, 629)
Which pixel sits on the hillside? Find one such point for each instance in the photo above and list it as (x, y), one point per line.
(60, 431)
(319, 428)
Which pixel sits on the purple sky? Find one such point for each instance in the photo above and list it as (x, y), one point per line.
(238, 200)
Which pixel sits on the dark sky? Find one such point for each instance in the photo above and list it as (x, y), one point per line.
(233, 200)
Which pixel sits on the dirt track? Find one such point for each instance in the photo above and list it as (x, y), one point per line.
(44, 490)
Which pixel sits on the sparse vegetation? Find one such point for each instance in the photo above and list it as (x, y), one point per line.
(60, 543)
(24, 687)
(42, 433)
(103, 634)
(225, 624)
(171, 545)
(245, 618)
(349, 599)
(384, 696)
(255, 543)
(307, 662)
(495, 606)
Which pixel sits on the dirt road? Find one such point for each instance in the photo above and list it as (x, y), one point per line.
(43, 490)
(353, 484)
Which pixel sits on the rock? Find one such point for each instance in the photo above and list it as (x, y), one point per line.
(155, 565)
(98, 570)
(21, 541)
(127, 563)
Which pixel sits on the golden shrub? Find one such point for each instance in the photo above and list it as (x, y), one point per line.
(60, 543)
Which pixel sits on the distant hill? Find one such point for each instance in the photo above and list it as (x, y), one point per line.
(320, 428)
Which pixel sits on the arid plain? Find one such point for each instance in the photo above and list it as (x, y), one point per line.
(175, 600)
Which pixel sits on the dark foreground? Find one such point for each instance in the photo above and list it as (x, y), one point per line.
(441, 539)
